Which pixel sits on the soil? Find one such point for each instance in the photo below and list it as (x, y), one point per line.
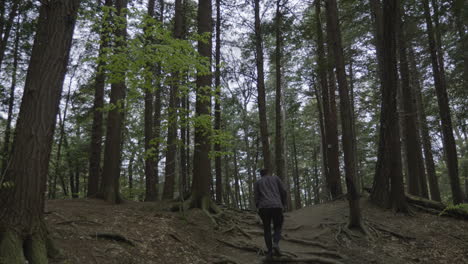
(92, 231)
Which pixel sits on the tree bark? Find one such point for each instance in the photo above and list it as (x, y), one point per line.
(424, 129)
(444, 111)
(98, 104)
(109, 189)
(6, 30)
(327, 83)
(22, 205)
(417, 184)
(201, 161)
(346, 115)
(217, 126)
(237, 193)
(11, 101)
(149, 118)
(388, 188)
(261, 100)
(170, 171)
(297, 186)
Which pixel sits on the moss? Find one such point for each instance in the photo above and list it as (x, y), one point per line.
(35, 250)
(455, 209)
(11, 248)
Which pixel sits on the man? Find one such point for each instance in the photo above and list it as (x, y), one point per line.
(270, 200)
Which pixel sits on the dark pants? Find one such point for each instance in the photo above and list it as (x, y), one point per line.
(269, 215)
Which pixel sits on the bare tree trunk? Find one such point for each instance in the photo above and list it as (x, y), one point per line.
(261, 90)
(217, 146)
(24, 235)
(11, 101)
(388, 177)
(201, 161)
(6, 29)
(444, 111)
(426, 139)
(417, 184)
(236, 181)
(346, 114)
(171, 160)
(109, 189)
(328, 88)
(98, 104)
(316, 177)
(297, 187)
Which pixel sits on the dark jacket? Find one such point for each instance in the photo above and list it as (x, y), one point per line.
(269, 192)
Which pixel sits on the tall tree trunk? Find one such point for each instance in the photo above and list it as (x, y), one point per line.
(151, 194)
(417, 184)
(328, 88)
(201, 161)
(459, 11)
(152, 184)
(97, 127)
(6, 29)
(323, 145)
(388, 177)
(279, 130)
(109, 189)
(444, 111)
(426, 139)
(170, 171)
(261, 100)
(11, 101)
(237, 193)
(217, 126)
(316, 177)
(22, 205)
(297, 187)
(346, 114)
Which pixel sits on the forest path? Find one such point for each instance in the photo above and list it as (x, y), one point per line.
(92, 231)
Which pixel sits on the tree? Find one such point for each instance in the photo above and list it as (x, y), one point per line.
(149, 119)
(217, 126)
(417, 184)
(11, 101)
(388, 188)
(110, 186)
(332, 164)
(261, 100)
(200, 197)
(23, 233)
(6, 26)
(280, 160)
(99, 85)
(450, 149)
(170, 171)
(334, 37)
(424, 129)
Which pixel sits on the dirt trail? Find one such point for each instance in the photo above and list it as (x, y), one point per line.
(91, 231)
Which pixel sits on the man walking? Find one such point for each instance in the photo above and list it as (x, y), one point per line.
(270, 199)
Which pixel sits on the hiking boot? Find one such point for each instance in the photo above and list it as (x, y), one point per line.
(268, 256)
(276, 250)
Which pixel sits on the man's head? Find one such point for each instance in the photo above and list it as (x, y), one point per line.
(264, 172)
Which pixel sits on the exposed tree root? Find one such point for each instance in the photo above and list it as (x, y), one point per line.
(74, 222)
(391, 232)
(245, 247)
(303, 260)
(304, 242)
(325, 253)
(114, 237)
(293, 228)
(238, 228)
(223, 259)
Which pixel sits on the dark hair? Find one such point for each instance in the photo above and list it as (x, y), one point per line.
(263, 172)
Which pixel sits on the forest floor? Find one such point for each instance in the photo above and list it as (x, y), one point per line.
(91, 231)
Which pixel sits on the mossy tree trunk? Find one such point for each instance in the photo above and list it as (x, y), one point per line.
(23, 235)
